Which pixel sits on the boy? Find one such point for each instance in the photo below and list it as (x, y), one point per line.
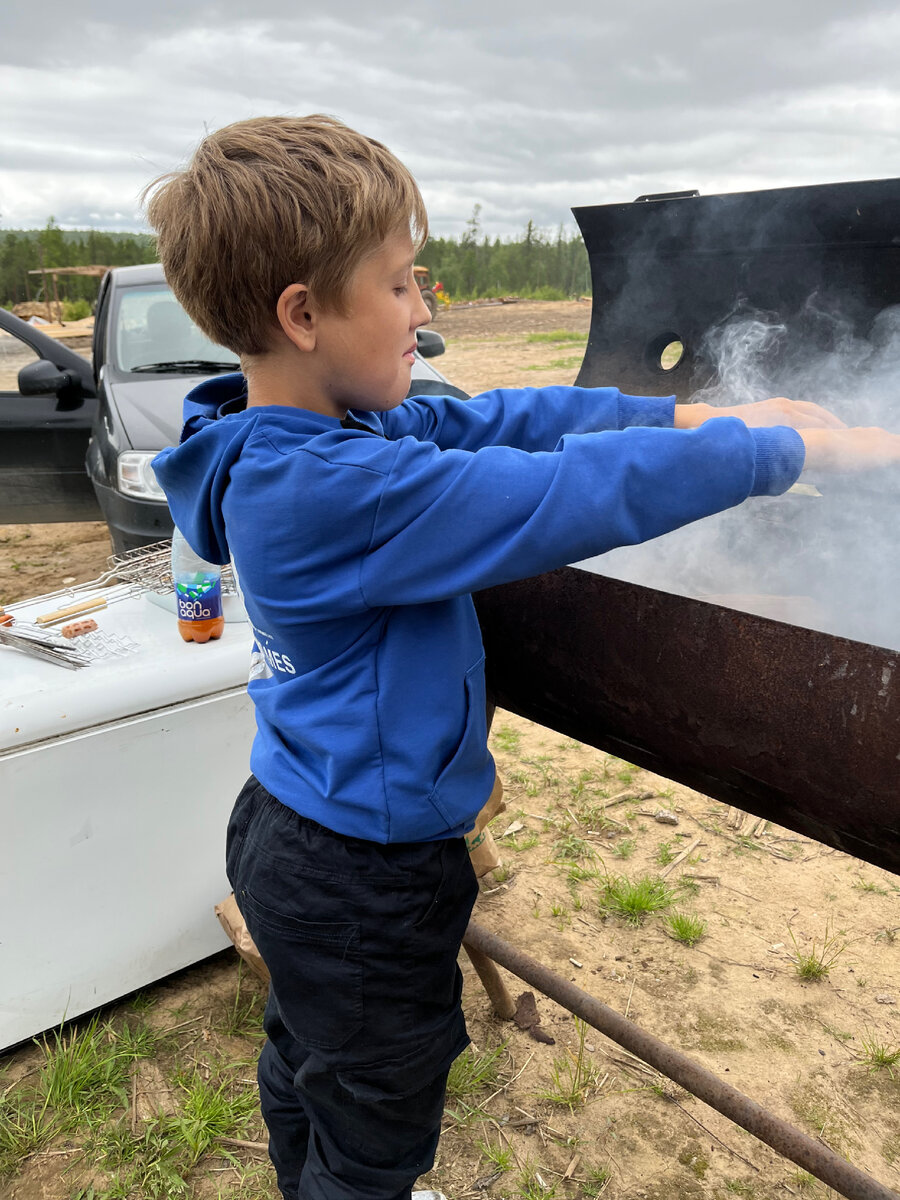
(358, 525)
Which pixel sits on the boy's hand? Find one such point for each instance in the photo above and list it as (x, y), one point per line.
(798, 414)
(851, 449)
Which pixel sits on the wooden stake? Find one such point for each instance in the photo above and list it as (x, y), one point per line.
(680, 858)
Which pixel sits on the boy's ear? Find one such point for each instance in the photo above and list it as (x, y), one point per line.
(296, 316)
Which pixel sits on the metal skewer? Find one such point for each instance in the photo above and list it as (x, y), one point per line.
(48, 650)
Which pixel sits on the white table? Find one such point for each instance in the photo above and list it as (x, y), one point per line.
(116, 782)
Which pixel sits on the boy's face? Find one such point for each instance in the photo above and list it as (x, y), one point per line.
(367, 354)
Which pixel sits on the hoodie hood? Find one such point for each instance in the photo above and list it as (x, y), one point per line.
(194, 474)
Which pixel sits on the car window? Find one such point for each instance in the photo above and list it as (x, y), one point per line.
(14, 355)
(152, 327)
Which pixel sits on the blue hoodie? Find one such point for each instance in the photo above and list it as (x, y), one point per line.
(357, 549)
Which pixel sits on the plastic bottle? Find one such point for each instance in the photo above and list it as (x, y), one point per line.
(198, 593)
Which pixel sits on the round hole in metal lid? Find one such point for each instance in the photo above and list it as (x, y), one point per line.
(665, 352)
(671, 355)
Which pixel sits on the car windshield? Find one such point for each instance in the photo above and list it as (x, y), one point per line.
(153, 332)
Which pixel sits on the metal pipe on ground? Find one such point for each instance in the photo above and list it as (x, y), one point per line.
(793, 1144)
(498, 993)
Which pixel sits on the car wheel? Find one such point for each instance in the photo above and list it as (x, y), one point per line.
(430, 303)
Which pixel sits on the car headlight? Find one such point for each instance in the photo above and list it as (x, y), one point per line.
(136, 476)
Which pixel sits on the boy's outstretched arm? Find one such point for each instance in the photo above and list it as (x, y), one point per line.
(536, 418)
(530, 419)
(451, 522)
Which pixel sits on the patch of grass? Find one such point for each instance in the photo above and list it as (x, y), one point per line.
(694, 1159)
(545, 765)
(596, 1179)
(502, 873)
(473, 1071)
(633, 900)
(578, 874)
(814, 964)
(557, 335)
(685, 928)
(209, 1110)
(572, 847)
(471, 1075)
(142, 1001)
(625, 848)
(574, 1076)
(155, 1162)
(136, 1041)
(739, 1187)
(743, 843)
(243, 1016)
(506, 738)
(811, 1102)
(533, 1186)
(256, 1183)
(500, 1156)
(527, 841)
(155, 1168)
(579, 784)
(593, 818)
(85, 1072)
(25, 1126)
(665, 854)
(804, 1182)
(878, 1055)
(865, 885)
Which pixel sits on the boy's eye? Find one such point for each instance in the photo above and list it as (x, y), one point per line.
(401, 290)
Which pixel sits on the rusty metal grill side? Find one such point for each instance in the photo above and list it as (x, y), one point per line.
(797, 726)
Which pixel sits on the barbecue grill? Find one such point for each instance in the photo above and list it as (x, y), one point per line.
(674, 660)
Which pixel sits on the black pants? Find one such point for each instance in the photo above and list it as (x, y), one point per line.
(364, 1017)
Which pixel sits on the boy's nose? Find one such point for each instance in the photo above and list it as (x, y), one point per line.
(421, 313)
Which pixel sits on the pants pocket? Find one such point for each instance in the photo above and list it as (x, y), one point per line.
(316, 969)
(413, 1073)
(238, 823)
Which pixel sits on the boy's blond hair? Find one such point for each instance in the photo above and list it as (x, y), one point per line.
(270, 202)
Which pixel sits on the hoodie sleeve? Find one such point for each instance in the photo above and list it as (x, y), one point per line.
(525, 418)
(453, 522)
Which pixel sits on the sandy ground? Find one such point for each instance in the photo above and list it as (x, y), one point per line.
(578, 821)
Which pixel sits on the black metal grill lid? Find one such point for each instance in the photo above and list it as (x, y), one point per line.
(824, 261)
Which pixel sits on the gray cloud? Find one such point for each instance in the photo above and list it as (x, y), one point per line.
(520, 108)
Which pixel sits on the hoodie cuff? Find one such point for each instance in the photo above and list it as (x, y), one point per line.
(657, 411)
(780, 454)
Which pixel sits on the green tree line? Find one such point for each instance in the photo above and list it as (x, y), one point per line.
(540, 264)
(24, 250)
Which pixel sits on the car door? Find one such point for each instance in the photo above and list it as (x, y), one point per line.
(47, 407)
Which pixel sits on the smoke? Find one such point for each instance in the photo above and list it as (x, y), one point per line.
(818, 357)
(824, 556)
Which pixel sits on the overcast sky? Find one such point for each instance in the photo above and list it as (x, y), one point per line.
(524, 108)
